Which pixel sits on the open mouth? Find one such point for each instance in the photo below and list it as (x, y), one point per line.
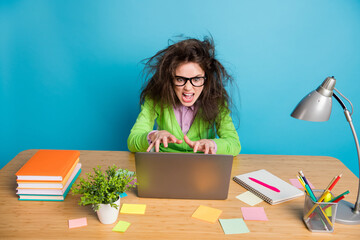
(188, 97)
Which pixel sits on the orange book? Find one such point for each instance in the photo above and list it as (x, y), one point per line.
(48, 165)
(58, 184)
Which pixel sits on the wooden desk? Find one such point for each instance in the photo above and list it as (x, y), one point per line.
(171, 218)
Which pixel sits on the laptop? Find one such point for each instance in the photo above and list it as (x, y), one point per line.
(183, 175)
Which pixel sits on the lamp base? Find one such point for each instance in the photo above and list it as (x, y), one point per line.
(345, 214)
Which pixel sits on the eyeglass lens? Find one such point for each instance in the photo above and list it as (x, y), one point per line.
(195, 81)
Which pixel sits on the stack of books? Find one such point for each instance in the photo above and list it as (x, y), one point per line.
(48, 175)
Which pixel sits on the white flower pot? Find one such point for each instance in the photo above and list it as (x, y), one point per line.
(108, 214)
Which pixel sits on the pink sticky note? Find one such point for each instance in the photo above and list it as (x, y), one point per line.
(78, 222)
(297, 184)
(254, 213)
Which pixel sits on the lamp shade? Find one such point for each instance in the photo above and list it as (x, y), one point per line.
(316, 106)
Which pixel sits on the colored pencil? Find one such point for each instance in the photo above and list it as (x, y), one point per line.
(301, 182)
(307, 185)
(327, 206)
(315, 205)
(304, 186)
(310, 193)
(331, 182)
(336, 180)
(322, 211)
(341, 195)
(339, 199)
(336, 201)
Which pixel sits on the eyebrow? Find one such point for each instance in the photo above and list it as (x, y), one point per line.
(199, 75)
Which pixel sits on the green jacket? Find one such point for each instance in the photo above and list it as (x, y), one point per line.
(227, 143)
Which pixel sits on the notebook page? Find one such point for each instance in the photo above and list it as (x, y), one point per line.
(287, 191)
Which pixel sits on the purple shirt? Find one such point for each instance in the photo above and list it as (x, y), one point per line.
(185, 117)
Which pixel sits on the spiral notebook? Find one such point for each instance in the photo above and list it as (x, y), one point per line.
(286, 191)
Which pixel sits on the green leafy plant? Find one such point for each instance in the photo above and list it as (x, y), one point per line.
(103, 188)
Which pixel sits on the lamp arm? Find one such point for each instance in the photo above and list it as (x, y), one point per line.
(349, 119)
(339, 100)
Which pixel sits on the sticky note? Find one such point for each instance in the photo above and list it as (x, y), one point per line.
(123, 195)
(295, 182)
(234, 226)
(121, 226)
(249, 198)
(133, 208)
(78, 222)
(208, 214)
(254, 213)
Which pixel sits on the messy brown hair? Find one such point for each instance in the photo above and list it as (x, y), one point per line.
(160, 72)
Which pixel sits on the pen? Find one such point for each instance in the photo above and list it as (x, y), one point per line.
(264, 184)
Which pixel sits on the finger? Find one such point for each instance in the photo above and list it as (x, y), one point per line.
(150, 147)
(188, 141)
(165, 141)
(212, 150)
(157, 145)
(172, 139)
(196, 146)
(206, 148)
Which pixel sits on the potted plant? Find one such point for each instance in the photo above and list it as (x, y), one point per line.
(102, 191)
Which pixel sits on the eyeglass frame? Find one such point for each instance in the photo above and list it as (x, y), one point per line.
(189, 79)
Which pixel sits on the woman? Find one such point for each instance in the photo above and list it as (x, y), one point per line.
(186, 97)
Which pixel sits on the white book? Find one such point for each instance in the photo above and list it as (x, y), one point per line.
(49, 197)
(286, 191)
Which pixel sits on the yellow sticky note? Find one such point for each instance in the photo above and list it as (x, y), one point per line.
(208, 214)
(121, 226)
(133, 208)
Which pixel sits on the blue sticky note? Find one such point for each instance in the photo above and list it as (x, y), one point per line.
(123, 195)
(234, 226)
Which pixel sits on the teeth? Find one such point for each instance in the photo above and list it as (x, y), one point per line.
(188, 94)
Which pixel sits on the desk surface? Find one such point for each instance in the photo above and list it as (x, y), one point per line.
(171, 218)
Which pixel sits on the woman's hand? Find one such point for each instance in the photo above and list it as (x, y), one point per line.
(163, 137)
(204, 145)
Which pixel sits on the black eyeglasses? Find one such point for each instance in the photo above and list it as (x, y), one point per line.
(195, 81)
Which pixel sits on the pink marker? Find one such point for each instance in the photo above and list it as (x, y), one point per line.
(264, 184)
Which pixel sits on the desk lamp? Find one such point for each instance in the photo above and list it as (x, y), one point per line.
(316, 106)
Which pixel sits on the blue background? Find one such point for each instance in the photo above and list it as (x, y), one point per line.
(70, 71)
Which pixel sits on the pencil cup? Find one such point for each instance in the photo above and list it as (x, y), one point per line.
(319, 216)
